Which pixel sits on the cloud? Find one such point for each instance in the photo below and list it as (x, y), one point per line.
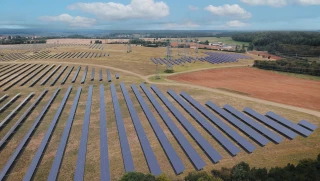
(281, 3)
(183, 26)
(193, 8)
(76, 21)
(137, 9)
(12, 27)
(228, 10)
(236, 24)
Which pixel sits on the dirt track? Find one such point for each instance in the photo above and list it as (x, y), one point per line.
(260, 84)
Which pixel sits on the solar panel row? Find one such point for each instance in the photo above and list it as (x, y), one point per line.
(32, 76)
(227, 144)
(3, 97)
(224, 127)
(54, 172)
(276, 126)
(241, 126)
(184, 143)
(15, 110)
(13, 72)
(23, 117)
(25, 139)
(125, 148)
(288, 124)
(59, 75)
(100, 75)
(92, 74)
(201, 141)
(50, 75)
(21, 78)
(41, 76)
(17, 75)
(76, 75)
(109, 75)
(308, 125)
(14, 67)
(84, 75)
(144, 142)
(81, 160)
(164, 141)
(46, 139)
(66, 77)
(4, 107)
(104, 156)
(268, 133)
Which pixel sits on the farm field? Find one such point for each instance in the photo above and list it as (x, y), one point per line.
(136, 70)
(259, 83)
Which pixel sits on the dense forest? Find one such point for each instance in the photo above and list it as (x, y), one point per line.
(306, 170)
(148, 43)
(293, 66)
(299, 43)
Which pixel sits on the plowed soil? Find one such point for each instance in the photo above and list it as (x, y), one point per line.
(260, 84)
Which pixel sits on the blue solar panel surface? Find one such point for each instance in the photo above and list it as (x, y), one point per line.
(125, 148)
(50, 75)
(92, 74)
(32, 76)
(4, 107)
(201, 141)
(81, 160)
(234, 121)
(41, 76)
(166, 145)
(308, 125)
(109, 75)
(289, 124)
(100, 75)
(84, 75)
(227, 144)
(285, 131)
(59, 75)
(144, 142)
(104, 157)
(16, 75)
(184, 143)
(25, 139)
(54, 171)
(76, 75)
(68, 74)
(224, 127)
(268, 133)
(46, 139)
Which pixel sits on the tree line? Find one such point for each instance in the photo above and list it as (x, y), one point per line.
(305, 170)
(302, 43)
(292, 66)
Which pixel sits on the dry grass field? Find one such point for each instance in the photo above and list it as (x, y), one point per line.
(134, 68)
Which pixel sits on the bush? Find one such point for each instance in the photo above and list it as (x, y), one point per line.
(169, 71)
(137, 176)
(200, 176)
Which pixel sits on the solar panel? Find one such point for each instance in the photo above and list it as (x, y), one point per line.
(276, 126)
(54, 172)
(104, 157)
(117, 76)
(92, 74)
(17, 75)
(32, 76)
(224, 127)
(166, 145)
(184, 143)
(41, 76)
(10, 69)
(144, 142)
(21, 119)
(288, 123)
(14, 112)
(25, 139)
(201, 141)
(46, 139)
(84, 75)
(58, 76)
(125, 149)
(227, 144)
(109, 75)
(4, 107)
(100, 76)
(50, 75)
(268, 133)
(14, 72)
(68, 74)
(81, 160)
(308, 125)
(3, 97)
(241, 126)
(76, 75)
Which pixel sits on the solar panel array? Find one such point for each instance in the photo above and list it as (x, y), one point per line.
(41, 74)
(257, 128)
(32, 47)
(216, 58)
(96, 46)
(172, 62)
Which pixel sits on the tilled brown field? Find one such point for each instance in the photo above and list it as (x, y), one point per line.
(260, 84)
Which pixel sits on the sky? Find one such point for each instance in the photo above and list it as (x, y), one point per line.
(161, 14)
